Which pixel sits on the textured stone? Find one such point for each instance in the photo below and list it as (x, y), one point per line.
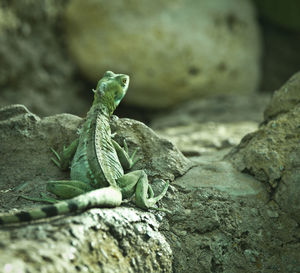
(284, 99)
(210, 231)
(100, 240)
(159, 157)
(123, 239)
(219, 222)
(222, 176)
(173, 50)
(271, 154)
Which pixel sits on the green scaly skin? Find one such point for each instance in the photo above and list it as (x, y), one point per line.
(97, 164)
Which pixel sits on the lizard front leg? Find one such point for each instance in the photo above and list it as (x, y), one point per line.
(63, 161)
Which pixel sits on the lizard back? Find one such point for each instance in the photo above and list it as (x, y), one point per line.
(96, 161)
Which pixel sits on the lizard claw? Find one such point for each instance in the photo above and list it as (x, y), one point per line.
(125, 145)
(133, 159)
(57, 160)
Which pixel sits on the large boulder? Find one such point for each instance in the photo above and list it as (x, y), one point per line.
(173, 51)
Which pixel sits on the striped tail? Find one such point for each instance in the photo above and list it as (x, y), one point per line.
(104, 197)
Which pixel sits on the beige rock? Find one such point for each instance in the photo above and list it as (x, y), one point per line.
(173, 51)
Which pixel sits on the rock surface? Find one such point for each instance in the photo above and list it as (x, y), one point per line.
(173, 51)
(222, 176)
(211, 232)
(119, 240)
(159, 157)
(271, 154)
(225, 220)
(221, 220)
(284, 99)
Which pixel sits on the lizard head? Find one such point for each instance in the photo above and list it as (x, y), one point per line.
(111, 89)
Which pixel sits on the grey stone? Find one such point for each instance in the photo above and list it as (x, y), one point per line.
(284, 99)
(229, 220)
(203, 127)
(100, 240)
(226, 233)
(207, 137)
(219, 109)
(222, 176)
(97, 240)
(219, 219)
(288, 192)
(174, 51)
(271, 154)
(159, 157)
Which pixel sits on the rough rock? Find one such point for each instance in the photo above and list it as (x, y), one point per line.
(219, 220)
(225, 220)
(284, 99)
(211, 232)
(100, 240)
(159, 157)
(204, 138)
(222, 176)
(271, 154)
(119, 240)
(173, 51)
(35, 69)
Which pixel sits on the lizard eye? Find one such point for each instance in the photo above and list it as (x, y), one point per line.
(124, 80)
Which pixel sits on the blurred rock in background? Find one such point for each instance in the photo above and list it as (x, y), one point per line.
(53, 52)
(35, 68)
(173, 51)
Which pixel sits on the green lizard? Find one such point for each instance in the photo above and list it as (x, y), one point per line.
(97, 164)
